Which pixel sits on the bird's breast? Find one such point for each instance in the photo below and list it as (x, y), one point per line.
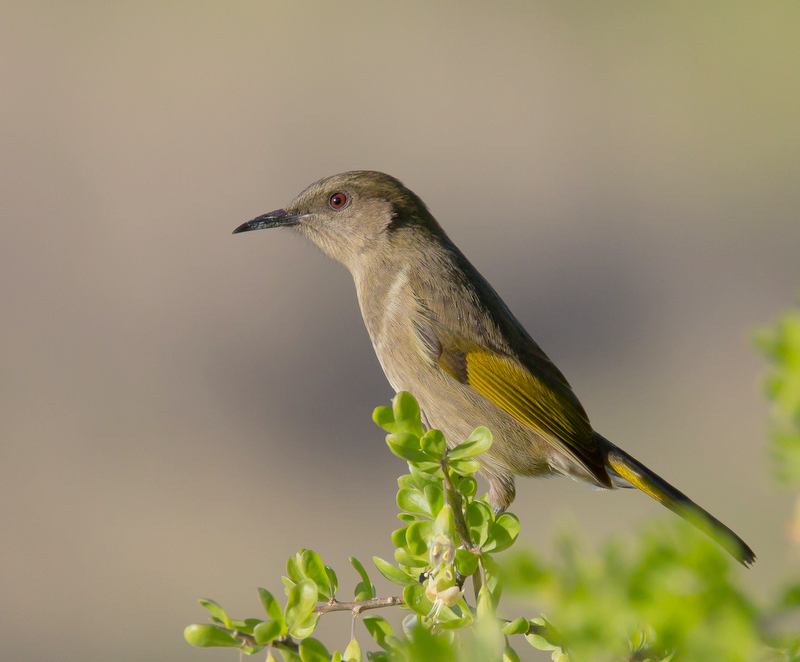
(389, 308)
(393, 315)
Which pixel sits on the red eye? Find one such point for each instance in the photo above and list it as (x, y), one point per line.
(337, 200)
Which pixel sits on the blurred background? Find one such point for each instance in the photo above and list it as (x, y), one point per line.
(181, 409)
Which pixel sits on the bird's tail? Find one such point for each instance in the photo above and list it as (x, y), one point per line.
(653, 485)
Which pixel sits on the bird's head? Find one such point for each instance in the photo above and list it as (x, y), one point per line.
(353, 216)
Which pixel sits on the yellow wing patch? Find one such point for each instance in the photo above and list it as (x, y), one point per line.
(522, 395)
(515, 389)
(534, 401)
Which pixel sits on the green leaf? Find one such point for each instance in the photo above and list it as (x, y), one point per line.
(403, 451)
(333, 581)
(392, 573)
(206, 636)
(432, 442)
(312, 567)
(504, 533)
(476, 444)
(413, 501)
(409, 560)
(364, 576)
(384, 418)
(455, 623)
(269, 630)
(245, 626)
(406, 413)
(517, 626)
(466, 562)
(306, 627)
(293, 568)
(417, 536)
(486, 605)
(302, 600)
(468, 486)
(445, 523)
(540, 643)
(217, 610)
(361, 592)
(435, 498)
(406, 440)
(479, 522)
(381, 632)
(406, 482)
(353, 652)
(399, 537)
(271, 605)
(429, 466)
(414, 596)
(492, 572)
(510, 655)
(422, 479)
(465, 467)
(312, 650)
(337, 657)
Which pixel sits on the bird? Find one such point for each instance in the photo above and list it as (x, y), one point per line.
(442, 333)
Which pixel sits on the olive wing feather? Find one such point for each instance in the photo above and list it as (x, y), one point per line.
(543, 404)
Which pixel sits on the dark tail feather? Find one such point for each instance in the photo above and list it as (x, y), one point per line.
(648, 482)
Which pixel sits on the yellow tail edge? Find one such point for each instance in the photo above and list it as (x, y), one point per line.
(656, 487)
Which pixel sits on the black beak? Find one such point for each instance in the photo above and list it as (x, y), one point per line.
(280, 218)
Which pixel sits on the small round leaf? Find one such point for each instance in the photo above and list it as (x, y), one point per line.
(302, 600)
(417, 536)
(504, 532)
(413, 501)
(476, 444)
(206, 636)
(479, 521)
(465, 467)
(312, 650)
(468, 486)
(432, 442)
(269, 630)
(466, 562)
(414, 596)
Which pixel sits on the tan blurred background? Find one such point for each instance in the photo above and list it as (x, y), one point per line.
(182, 409)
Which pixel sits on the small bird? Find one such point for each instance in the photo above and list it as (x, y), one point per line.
(443, 334)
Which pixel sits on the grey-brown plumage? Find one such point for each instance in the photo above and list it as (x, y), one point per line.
(443, 334)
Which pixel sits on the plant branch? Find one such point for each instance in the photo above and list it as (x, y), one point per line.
(357, 607)
(284, 641)
(454, 501)
(288, 643)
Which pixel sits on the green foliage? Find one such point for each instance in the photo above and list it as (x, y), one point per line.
(665, 593)
(781, 345)
(447, 540)
(672, 589)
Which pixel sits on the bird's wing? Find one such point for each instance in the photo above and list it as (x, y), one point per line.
(542, 403)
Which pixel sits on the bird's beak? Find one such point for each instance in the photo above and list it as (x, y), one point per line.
(280, 218)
